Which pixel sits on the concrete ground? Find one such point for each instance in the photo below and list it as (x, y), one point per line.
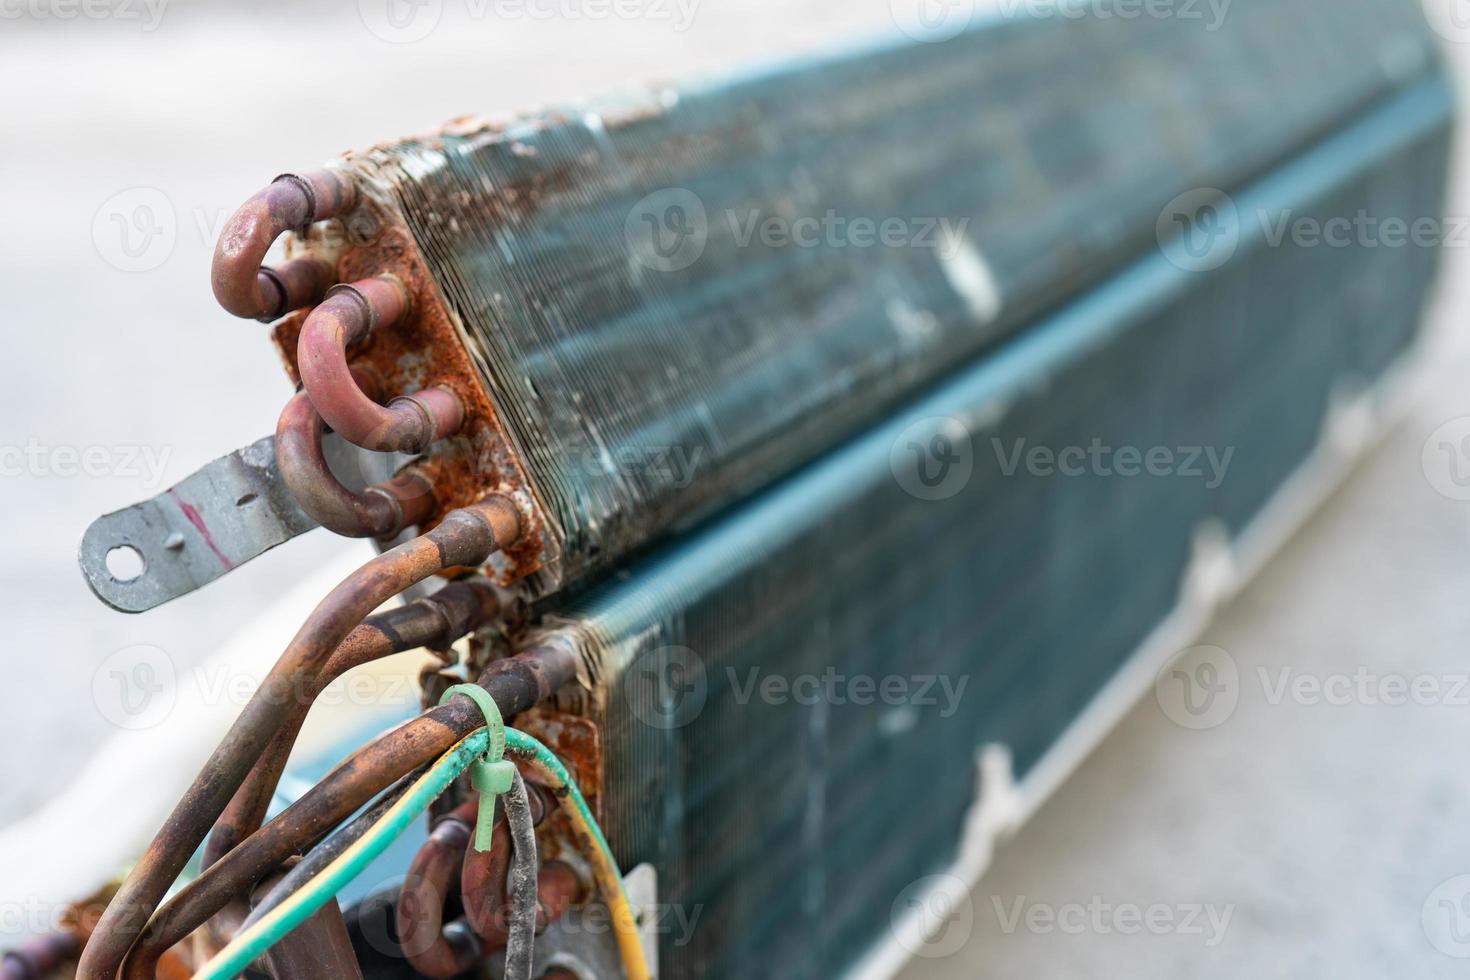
(1323, 838)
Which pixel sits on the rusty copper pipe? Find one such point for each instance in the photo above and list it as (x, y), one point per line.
(516, 684)
(381, 511)
(432, 878)
(484, 877)
(434, 621)
(557, 887)
(409, 423)
(481, 877)
(242, 285)
(319, 948)
(38, 958)
(465, 537)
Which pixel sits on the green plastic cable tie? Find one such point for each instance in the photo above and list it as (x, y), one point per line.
(492, 774)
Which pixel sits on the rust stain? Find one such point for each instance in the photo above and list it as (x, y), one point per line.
(577, 742)
(425, 349)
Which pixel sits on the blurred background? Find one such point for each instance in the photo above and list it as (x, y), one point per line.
(1320, 836)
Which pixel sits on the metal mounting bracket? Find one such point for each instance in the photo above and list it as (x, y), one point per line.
(220, 517)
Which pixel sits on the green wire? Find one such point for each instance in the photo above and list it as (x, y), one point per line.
(271, 929)
(245, 947)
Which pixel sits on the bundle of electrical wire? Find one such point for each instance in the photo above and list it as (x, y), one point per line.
(336, 861)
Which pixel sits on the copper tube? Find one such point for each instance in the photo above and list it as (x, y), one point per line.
(380, 511)
(465, 537)
(434, 621)
(483, 881)
(516, 684)
(319, 948)
(241, 284)
(432, 878)
(39, 958)
(557, 887)
(408, 423)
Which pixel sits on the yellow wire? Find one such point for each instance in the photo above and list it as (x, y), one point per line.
(609, 879)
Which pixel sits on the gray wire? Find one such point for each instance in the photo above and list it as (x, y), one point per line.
(521, 883)
(327, 851)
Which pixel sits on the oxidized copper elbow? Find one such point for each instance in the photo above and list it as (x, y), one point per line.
(242, 284)
(408, 423)
(380, 511)
(433, 947)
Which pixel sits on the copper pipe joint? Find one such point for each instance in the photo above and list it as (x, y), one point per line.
(242, 284)
(517, 684)
(467, 536)
(434, 948)
(381, 511)
(347, 316)
(483, 881)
